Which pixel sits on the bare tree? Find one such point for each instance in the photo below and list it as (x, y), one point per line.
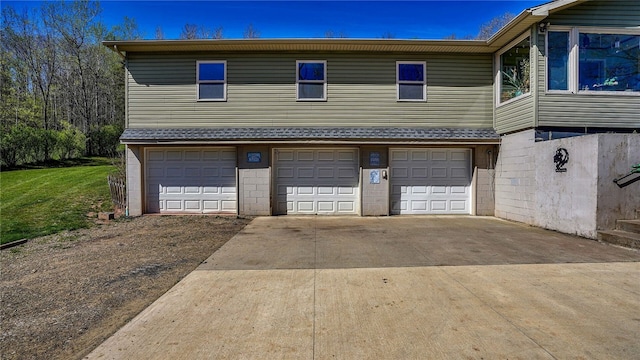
(332, 34)
(251, 32)
(189, 32)
(159, 33)
(193, 31)
(453, 36)
(492, 26)
(388, 35)
(217, 33)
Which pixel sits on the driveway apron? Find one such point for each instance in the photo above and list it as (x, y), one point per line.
(410, 287)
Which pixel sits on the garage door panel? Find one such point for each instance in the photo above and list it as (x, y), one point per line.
(305, 173)
(305, 155)
(438, 155)
(346, 207)
(306, 206)
(326, 172)
(191, 180)
(444, 190)
(326, 206)
(327, 155)
(316, 181)
(400, 172)
(173, 155)
(418, 155)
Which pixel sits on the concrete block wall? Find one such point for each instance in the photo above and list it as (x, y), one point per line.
(515, 177)
(254, 191)
(616, 154)
(485, 192)
(582, 200)
(567, 201)
(134, 156)
(375, 197)
(484, 179)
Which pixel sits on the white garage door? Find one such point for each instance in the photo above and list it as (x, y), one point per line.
(316, 181)
(191, 180)
(430, 181)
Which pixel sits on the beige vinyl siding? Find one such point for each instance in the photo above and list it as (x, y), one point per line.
(518, 114)
(589, 110)
(515, 116)
(603, 13)
(361, 91)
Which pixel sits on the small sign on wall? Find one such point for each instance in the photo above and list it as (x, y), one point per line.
(254, 157)
(374, 158)
(374, 177)
(561, 158)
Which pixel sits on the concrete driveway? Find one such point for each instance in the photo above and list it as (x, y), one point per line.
(395, 288)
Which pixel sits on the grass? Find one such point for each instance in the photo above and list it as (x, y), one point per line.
(44, 201)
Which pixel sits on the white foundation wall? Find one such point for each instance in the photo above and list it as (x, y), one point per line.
(617, 153)
(515, 177)
(580, 201)
(567, 201)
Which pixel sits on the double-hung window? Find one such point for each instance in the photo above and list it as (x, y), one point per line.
(211, 79)
(411, 80)
(311, 80)
(593, 60)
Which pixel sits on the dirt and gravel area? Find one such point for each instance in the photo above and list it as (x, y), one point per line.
(62, 295)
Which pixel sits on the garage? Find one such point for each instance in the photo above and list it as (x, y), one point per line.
(316, 181)
(190, 180)
(430, 181)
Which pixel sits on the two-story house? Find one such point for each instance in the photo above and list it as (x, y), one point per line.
(386, 127)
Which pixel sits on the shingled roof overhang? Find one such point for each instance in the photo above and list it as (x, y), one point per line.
(318, 135)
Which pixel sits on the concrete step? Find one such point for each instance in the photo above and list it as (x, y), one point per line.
(620, 237)
(629, 225)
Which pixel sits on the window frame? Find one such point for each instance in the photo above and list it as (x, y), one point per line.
(574, 58)
(411, 82)
(498, 70)
(224, 81)
(323, 82)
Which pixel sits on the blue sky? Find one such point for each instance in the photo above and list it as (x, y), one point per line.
(302, 19)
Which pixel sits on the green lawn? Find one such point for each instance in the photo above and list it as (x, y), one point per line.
(45, 201)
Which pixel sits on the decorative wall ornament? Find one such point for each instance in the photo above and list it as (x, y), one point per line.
(561, 158)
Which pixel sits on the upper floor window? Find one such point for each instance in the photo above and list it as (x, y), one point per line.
(585, 60)
(311, 80)
(411, 80)
(211, 79)
(514, 77)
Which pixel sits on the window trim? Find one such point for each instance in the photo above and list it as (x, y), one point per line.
(423, 82)
(498, 70)
(198, 81)
(574, 58)
(323, 82)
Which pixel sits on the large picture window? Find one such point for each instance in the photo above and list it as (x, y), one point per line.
(608, 62)
(211, 79)
(411, 80)
(515, 71)
(311, 80)
(587, 61)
